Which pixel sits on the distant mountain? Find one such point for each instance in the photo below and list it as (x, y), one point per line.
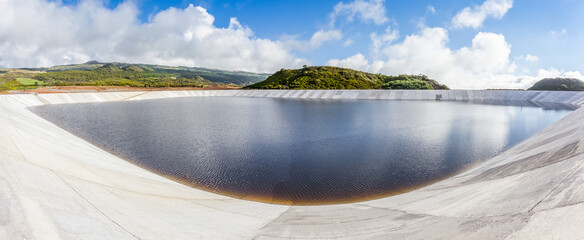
(558, 84)
(93, 62)
(84, 66)
(324, 77)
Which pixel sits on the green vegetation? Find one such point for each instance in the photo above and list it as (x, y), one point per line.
(142, 75)
(342, 78)
(111, 75)
(212, 75)
(216, 76)
(558, 84)
(108, 68)
(134, 68)
(85, 66)
(12, 79)
(6, 85)
(29, 82)
(407, 84)
(94, 73)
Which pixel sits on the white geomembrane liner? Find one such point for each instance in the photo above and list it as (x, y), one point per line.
(56, 185)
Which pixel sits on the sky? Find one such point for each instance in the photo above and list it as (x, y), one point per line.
(471, 44)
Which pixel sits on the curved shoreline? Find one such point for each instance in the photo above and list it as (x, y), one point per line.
(55, 185)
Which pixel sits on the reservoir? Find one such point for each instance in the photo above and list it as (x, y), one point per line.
(298, 151)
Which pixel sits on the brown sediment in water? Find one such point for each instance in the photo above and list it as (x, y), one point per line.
(283, 201)
(318, 202)
(304, 202)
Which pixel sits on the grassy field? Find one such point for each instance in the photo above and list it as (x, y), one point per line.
(29, 82)
(13, 79)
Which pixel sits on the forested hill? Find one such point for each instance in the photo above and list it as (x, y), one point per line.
(324, 77)
(559, 84)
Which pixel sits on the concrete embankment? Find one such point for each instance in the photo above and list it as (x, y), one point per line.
(54, 185)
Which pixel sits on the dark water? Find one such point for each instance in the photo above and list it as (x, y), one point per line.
(293, 151)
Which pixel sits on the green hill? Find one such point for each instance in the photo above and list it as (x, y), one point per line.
(324, 77)
(558, 84)
(212, 75)
(95, 73)
(84, 66)
(134, 68)
(107, 68)
(111, 75)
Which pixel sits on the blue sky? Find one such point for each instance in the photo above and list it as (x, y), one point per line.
(465, 44)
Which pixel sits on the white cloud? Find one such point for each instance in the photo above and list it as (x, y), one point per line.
(318, 38)
(366, 10)
(489, 53)
(348, 42)
(378, 41)
(475, 16)
(430, 9)
(529, 58)
(356, 61)
(560, 33)
(45, 33)
(553, 72)
(482, 65)
(322, 36)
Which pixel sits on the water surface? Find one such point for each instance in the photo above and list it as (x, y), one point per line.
(296, 151)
